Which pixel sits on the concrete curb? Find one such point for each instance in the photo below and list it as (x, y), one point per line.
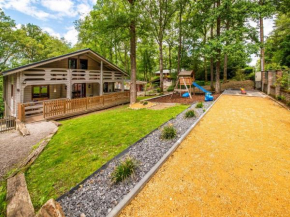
(278, 102)
(155, 97)
(130, 196)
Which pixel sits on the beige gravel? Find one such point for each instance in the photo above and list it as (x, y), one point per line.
(235, 162)
(14, 147)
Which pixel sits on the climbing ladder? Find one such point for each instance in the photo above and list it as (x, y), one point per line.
(176, 90)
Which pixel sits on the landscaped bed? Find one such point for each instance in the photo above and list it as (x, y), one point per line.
(82, 145)
(97, 195)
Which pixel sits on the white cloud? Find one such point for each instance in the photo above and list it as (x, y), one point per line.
(26, 7)
(62, 7)
(71, 35)
(51, 32)
(83, 10)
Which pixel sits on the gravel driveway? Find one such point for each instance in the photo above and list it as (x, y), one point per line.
(235, 162)
(14, 147)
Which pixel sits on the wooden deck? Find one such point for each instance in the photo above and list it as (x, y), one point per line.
(63, 108)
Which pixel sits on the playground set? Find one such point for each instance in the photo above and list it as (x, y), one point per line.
(186, 78)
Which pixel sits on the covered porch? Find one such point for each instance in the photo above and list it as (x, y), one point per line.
(62, 108)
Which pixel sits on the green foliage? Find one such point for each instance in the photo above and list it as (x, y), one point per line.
(240, 75)
(199, 105)
(26, 44)
(168, 132)
(82, 145)
(145, 103)
(170, 88)
(201, 83)
(189, 114)
(250, 76)
(158, 90)
(281, 98)
(124, 170)
(3, 203)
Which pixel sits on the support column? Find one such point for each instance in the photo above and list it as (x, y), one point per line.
(68, 85)
(122, 84)
(263, 77)
(101, 79)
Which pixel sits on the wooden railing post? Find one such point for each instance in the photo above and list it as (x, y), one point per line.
(64, 107)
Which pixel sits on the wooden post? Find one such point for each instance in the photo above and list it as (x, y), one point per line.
(122, 85)
(69, 84)
(101, 79)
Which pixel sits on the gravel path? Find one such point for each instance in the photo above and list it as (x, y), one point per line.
(235, 162)
(97, 196)
(14, 147)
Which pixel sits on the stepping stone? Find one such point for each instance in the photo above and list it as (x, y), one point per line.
(18, 198)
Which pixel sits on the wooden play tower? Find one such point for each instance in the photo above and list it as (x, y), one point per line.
(185, 78)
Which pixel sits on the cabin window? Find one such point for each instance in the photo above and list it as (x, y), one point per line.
(84, 64)
(72, 63)
(40, 91)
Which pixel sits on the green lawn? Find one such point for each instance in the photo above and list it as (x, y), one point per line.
(84, 144)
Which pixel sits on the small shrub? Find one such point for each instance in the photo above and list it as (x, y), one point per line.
(124, 170)
(158, 90)
(168, 132)
(278, 98)
(144, 102)
(189, 114)
(203, 110)
(170, 88)
(283, 98)
(199, 105)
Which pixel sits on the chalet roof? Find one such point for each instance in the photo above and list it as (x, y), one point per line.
(186, 73)
(84, 51)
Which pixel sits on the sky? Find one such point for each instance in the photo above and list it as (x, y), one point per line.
(54, 16)
(57, 17)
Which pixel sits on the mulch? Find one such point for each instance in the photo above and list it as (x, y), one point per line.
(176, 98)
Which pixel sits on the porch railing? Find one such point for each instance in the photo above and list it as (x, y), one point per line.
(65, 107)
(7, 123)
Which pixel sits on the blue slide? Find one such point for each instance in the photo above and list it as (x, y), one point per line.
(208, 96)
(200, 87)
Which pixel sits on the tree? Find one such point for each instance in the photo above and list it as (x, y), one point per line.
(160, 14)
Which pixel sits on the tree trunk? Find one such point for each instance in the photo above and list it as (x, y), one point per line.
(226, 56)
(133, 91)
(218, 63)
(161, 65)
(262, 44)
(170, 63)
(205, 68)
(225, 68)
(179, 40)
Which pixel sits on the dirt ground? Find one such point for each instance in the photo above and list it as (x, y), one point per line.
(235, 162)
(176, 98)
(14, 147)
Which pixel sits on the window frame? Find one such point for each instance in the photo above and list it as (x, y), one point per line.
(40, 97)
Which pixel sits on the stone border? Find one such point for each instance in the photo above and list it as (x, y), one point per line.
(278, 102)
(140, 185)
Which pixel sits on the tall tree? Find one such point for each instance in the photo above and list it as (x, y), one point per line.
(160, 14)
(218, 61)
(133, 90)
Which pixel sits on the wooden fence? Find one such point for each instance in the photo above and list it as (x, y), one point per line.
(7, 123)
(58, 108)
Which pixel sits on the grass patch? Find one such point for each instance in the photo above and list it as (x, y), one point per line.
(82, 145)
(3, 199)
(124, 170)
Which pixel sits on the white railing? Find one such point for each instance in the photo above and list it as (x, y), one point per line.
(61, 74)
